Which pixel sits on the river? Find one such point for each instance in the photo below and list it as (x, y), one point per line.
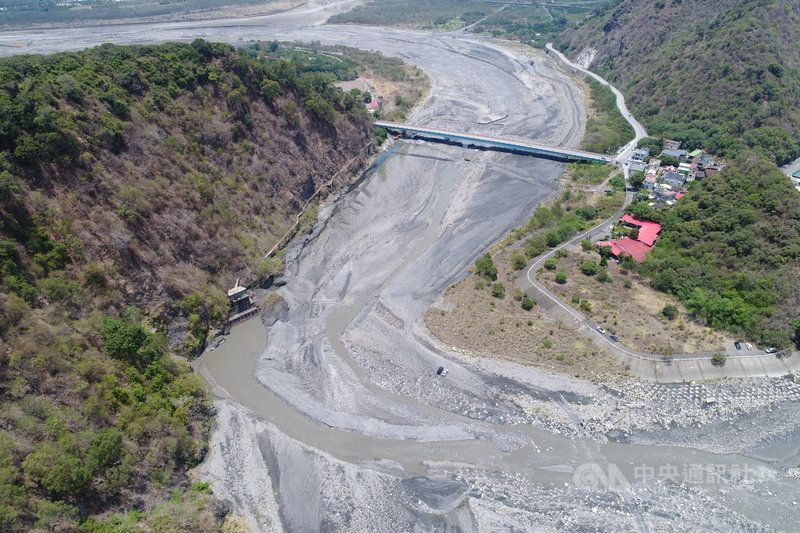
(335, 420)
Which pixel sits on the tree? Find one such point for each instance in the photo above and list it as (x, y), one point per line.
(589, 267)
(498, 290)
(60, 472)
(527, 303)
(8, 187)
(129, 341)
(667, 161)
(637, 180)
(628, 262)
(670, 311)
(484, 266)
(617, 182)
(270, 89)
(561, 276)
(796, 327)
(605, 251)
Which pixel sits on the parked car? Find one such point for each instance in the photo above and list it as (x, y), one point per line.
(442, 371)
(738, 345)
(600, 329)
(771, 350)
(748, 346)
(614, 338)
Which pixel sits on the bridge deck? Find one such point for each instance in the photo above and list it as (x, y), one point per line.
(507, 143)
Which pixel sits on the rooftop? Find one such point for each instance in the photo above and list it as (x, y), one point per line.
(648, 231)
(629, 246)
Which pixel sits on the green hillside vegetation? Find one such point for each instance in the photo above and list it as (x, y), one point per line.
(718, 75)
(607, 129)
(730, 250)
(149, 176)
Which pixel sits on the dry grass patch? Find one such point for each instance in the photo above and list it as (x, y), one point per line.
(469, 318)
(628, 307)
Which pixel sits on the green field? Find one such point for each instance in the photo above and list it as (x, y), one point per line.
(434, 14)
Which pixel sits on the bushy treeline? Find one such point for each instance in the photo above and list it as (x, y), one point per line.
(730, 249)
(608, 129)
(48, 102)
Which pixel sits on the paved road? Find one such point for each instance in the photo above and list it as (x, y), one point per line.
(638, 130)
(680, 367)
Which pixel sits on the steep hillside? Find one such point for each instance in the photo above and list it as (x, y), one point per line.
(730, 250)
(718, 74)
(149, 176)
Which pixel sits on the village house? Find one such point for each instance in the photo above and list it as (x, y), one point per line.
(673, 178)
(695, 154)
(638, 247)
(664, 194)
(677, 154)
(669, 144)
(640, 154)
(637, 167)
(684, 168)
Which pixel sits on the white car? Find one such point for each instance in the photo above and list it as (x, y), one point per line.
(748, 346)
(600, 329)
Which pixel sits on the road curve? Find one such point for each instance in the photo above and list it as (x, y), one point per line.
(638, 130)
(762, 364)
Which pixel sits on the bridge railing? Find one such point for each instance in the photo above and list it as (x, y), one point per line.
(506, 143)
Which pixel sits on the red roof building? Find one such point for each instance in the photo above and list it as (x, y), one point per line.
(637, 248)
(629, 246)
(648, 231)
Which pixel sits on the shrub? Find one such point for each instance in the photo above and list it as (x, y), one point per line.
(718, 359)
(551, 263)
(561, 276)
(484, 266)
(267, 268)
(628, 262)
(547, 343)
(527, 303)
(586, 305)
(587, 245)
(518, 261)
(670, 311)
(480, 284)
(602, 276)
(589, 267)
(498, 290)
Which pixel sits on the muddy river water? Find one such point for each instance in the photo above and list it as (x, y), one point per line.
(335, 420)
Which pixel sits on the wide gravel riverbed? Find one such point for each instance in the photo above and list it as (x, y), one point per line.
(335, 420)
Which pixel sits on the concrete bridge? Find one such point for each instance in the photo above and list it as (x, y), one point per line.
(511, 144)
